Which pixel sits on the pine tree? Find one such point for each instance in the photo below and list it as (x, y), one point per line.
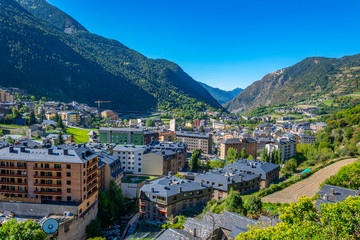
(264, 155)
(279, 157)
(243, 154)
(59, 140)
(32, 119)
(195, 160)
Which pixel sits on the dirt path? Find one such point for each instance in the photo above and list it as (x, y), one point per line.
(308, 186)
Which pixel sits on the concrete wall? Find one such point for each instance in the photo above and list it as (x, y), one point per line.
(35, 209)
(131, 190)
(76, 228)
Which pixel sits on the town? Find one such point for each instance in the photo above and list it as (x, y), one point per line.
(58, 159)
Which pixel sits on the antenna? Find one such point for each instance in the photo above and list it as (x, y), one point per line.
(50, 226)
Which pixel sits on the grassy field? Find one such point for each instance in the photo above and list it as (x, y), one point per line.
(80, 136)
(13, 126)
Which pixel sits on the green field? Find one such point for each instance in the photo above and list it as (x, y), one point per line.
(13, 126)
(80, 136)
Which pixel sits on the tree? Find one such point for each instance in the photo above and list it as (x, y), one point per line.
(231, 156)
(195, 160)
(279, 157)
(233, 203)
(243, 153)
(250, 157)
(201, 129)
(16, 114)
(32, 119)
(290, 166)
(59, 140)
(217, 164)
(150, 123)
(60, 124)
(24, 109)
(253, 204)
(29, 230)
(264, 155)
(94, 229)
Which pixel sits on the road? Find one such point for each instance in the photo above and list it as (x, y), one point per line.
(307, 187)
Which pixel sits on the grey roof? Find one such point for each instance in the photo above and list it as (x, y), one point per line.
(42, 155)
(192, 134)
(223, 178)
(126, 130)
(203, 229)
(176, 234)
(339, 194)
(167, 145)
(237, 140)
(254, 166)
(129, 147)
(169, 186)
(55, 136)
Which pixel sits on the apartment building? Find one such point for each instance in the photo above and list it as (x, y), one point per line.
(306, 139)
(318, 126)
(269, 172)
(222, 180)
(167, 197)
(167, 136)
(195, 140)
(249, 144)
(109, 170)
(47, 176)
(286, 145)
(70, 118)
(131, 157)
(134, 136)
(6, 96)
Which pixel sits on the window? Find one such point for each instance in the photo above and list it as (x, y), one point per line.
(57, 166)
(68, 174)
(68, 182)
(69, 198)
(68, 190)
(68, 166)
(46, 165)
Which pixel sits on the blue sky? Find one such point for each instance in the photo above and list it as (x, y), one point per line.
(228, 43)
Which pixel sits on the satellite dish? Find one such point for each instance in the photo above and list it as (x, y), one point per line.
(50, 226)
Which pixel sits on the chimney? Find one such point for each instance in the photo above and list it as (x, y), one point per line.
(180, 189)
(11, 149)
(83, 155)
(66, 152)
(50, 151)
(152, 189)
(332, 192)
(325, 197)
(22, 149)
(194, 232)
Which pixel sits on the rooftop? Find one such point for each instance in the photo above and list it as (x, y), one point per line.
(258, 167)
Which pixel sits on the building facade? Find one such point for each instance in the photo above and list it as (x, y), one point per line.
(202, 141)
(167, 197)
(134, 136)
(249, 144)
(49, 176)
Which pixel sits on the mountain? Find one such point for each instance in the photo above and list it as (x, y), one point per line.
(48, 53)
(312, 77)
(220, 95)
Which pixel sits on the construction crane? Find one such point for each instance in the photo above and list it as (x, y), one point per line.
(99, 102)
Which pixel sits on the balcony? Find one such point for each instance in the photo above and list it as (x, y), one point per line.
(12, 191)
(89, 187)
(92, 164)
(48, 169)
(92, 179)
(13, 183)
(12, 167)
(161, 201)
(48, 177)
(92, 172)
(13, 175)
(47, 193)
(47, 185)
(163, 210)
(91, 194)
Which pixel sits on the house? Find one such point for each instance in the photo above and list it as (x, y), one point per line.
(68, 139)
(249, 144)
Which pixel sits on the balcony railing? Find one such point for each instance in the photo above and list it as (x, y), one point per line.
(13, 175)
(91, 172)
(47, 169)
(12, 167)
(12, 191)
(47, 193)
(92, 179)
(47, 185)
(91, 194)
(49, 177)
(161, 201)
(92, 164)
(13, 183)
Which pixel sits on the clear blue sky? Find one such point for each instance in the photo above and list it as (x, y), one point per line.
(228, 43)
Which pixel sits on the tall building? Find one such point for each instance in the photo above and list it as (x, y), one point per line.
(134, 136)
(167, 197)
(173, 125)
(286, 145)
(70, 118)
(47, 176)
(249, 144)
(131, 157)
(5, 96)
(194, 140)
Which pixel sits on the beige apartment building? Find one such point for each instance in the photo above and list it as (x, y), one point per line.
(195, 140)
(47, 176)
(6, 96)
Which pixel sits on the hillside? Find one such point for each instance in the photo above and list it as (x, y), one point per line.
(167, 84)
(309, 78)
(220, 95)
(38, 58)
